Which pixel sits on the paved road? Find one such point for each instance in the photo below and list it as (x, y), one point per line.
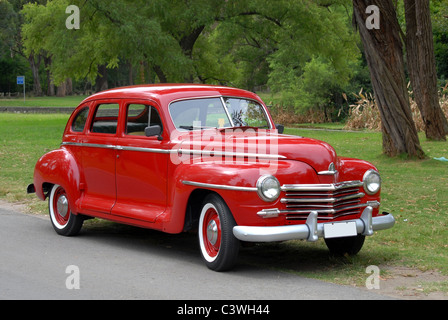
(120, 262)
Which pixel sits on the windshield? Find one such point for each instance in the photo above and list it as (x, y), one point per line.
(218, 113)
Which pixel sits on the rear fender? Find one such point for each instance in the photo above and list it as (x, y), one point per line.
(58, 167)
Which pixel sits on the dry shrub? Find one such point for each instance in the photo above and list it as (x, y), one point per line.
(288, 116)
(364, 114)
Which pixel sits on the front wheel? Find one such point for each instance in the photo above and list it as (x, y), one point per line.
(218, 245)
(62, 218)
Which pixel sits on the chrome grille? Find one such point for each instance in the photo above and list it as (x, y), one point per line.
(330, 201)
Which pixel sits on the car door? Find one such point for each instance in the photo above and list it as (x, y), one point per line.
(142, 164)
(99, 157)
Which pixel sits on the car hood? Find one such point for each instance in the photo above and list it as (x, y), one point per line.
(262, 144)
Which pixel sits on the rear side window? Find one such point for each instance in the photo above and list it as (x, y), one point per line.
(80, 120)
(106, 119)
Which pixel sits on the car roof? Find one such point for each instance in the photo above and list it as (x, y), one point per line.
(169, 92)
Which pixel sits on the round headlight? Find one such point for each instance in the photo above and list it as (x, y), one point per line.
(372, 182)
(268, 188)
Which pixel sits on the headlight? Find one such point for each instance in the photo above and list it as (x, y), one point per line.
(372, 182)
(268, 188)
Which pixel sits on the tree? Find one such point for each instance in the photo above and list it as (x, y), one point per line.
(422, 67)
(305, 49)
(10, 37)
(384, 55)
(439, 19)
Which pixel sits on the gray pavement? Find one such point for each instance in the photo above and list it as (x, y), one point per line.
(120, 262)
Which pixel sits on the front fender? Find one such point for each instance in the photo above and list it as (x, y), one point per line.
(241, 197)
(354, 169)
(58, 167)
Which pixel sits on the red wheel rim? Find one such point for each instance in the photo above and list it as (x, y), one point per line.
(61, 207)
(211, 232)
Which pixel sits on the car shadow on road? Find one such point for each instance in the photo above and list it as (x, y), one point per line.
(290, 256)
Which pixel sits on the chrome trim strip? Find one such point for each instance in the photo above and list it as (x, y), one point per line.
(311, 230)
(327, 173)
(115, 147)
(332, 200)
(227, 111)
(322, 187)
(218, 186)
(273, 213)
(149, 150)
(89, 145)
(180, 151)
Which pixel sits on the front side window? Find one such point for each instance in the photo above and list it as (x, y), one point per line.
(140, 116)
(218, 113)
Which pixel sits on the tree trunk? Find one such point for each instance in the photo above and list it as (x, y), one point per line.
(62, 89)
(101, 83)
(50, 83)
(160, 74)
(187, 44)
(130, 74)
(384, 55)
(69, 86)
(422, 68)
(35, 63)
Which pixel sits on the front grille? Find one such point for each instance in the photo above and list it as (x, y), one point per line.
(330, 201)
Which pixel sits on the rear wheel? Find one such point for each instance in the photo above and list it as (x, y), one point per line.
(63, 220)
(346, 245)
(218, 245)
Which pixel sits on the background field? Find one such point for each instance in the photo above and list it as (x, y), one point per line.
(414, 191)
(69, 101)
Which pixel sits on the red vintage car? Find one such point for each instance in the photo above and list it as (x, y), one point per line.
(194, 157)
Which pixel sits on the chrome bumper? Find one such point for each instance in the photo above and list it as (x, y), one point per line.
(311, 230)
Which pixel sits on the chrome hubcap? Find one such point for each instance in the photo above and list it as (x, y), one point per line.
(212, 232)
(62, 206)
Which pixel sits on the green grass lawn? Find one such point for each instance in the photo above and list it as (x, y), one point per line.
(415, 192)
(69, 101)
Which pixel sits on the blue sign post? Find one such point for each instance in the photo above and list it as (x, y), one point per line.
(21, 80)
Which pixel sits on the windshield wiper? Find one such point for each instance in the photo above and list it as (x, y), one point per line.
(246, 127)
(195, 127)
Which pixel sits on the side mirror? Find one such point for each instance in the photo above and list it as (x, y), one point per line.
(280, 128)
(154, 130)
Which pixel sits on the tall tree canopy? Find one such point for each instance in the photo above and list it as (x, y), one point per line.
(306, 51)
(182, 40)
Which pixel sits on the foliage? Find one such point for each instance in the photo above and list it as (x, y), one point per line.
(217, 41)
(440, 30)
(8, 27)
(304, 52)
(316, 58)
